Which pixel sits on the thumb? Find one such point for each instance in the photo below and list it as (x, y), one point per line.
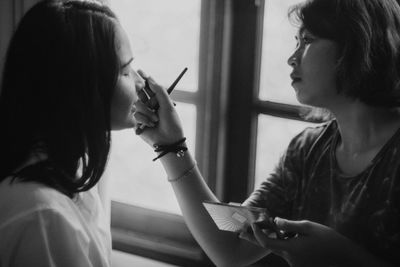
(299, 227)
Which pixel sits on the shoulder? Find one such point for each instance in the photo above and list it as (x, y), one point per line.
(41, 224)
(313, 136)
(39, 227)
(21, 199)
(34, 216)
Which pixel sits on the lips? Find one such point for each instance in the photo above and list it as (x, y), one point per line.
(295, 77)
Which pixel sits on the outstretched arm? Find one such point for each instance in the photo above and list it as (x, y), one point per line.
(223, 248)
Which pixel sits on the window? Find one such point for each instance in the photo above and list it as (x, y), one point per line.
(273, 132)
(164, 40)
(278, 44)
(237, 91)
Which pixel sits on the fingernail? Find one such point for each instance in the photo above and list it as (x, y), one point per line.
(141, 72)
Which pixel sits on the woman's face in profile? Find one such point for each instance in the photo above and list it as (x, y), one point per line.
(122, 104)
(314, 69)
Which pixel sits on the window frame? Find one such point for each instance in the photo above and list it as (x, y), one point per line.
(171, 240)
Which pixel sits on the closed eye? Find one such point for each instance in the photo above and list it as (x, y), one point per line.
(126, 64)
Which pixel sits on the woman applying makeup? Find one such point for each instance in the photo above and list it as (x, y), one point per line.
(337, 186)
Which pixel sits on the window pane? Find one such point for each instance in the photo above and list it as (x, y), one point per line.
(278, 45)
(274, 135)
(135, 178)
(164, 36)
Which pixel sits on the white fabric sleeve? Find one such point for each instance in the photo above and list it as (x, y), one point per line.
(46, 238)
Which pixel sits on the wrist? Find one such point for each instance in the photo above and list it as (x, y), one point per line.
(177, 166)
(178, 148)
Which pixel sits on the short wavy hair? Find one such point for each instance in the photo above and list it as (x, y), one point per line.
(59, 76)
(368, 36)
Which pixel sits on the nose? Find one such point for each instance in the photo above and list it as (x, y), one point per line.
(293, 60)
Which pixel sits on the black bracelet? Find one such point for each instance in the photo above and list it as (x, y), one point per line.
(176, 147)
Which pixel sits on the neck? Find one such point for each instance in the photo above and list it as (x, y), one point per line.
(363, 127)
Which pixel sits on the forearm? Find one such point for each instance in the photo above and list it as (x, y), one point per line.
(224, 248)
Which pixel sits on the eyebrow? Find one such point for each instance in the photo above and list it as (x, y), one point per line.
(127, 63)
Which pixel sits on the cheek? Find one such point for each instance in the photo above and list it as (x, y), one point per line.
(122, 103)
(321, 71)
(125, 94)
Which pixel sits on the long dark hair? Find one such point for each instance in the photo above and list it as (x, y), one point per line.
(367, 32)
(59, 76)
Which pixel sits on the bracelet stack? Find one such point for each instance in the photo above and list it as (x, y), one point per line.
(178, 148)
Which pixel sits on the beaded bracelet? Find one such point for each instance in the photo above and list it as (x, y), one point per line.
(176, 147)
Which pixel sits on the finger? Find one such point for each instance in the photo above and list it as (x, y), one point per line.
(139, 129)
(265, 241)
(143, 74)
(300, 227)
(161, 94)
(142, 108)
(265, 223)
(247, 234)
(143, 119)
(249, 237)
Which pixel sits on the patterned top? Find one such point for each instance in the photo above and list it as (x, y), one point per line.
(308, 185)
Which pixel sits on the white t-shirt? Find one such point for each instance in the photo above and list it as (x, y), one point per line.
(40, 226)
